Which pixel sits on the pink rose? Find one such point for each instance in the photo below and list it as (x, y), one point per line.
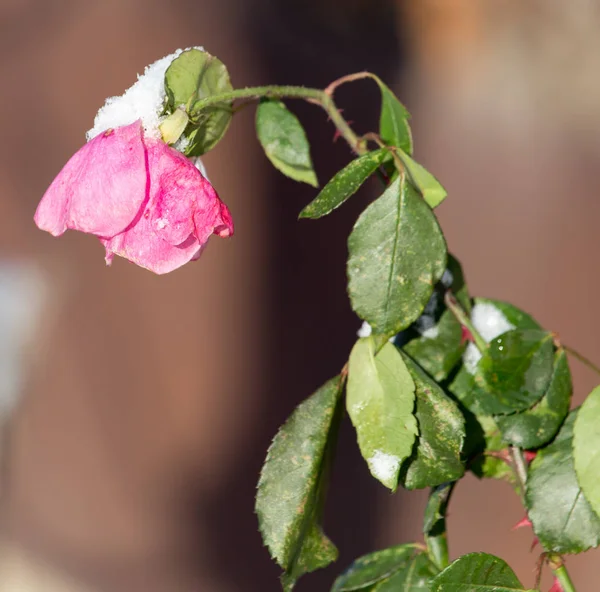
(144, 200)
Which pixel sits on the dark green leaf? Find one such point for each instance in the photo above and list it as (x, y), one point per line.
(477, 572)
(440, 347)
(393, 122)
(380, 400)
(292, 486)
(586, 448)
(369, 570)
(436, 458)
(192, 76)
(562, 518)
(537, 426)
(427, 185)
(414, 577)
(397, 254)
(344, 184)
(463, 386)
(284, 141)
(515, 371)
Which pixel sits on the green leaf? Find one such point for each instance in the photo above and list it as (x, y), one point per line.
(192, 76)
(284, 141)
(537, 426)
(427, 185)
(380, 399)
(369, 570)
(393, 121)
(436, 458)
(586, 448)
(487, 466)
(414, 577)
(397, 254)
(292, 485)
(477, 572)
(463, 386)
(561, 516)
(515, 371)
(438, 352)
(344, 184)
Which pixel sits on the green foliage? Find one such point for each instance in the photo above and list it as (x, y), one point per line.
(439, 354)
(537, 426)
(428, 186)
(284, 141)
(344, 184)
(586, 448)
(514, 371)
(380, 400)
(477, 572)
(397, 254)
(292, 485)
(394, 129)
(397, 569)
(488, 445)
(436, 457)
(562, 518)
(192, 76)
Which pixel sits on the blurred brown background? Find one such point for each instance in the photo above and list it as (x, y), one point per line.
(149, 402)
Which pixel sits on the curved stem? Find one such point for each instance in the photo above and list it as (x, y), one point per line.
(312, 95)
(434, 525)
(582, 359)
(463, 318)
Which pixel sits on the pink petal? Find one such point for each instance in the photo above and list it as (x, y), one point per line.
(183, 201)
(101, 188)
(182, 212)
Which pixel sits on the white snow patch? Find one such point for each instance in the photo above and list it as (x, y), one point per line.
(490, 323)
(383, 466)
(365, 330)
(431, 332)
(143, 100)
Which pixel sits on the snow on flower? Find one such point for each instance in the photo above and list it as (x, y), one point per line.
(143, 199)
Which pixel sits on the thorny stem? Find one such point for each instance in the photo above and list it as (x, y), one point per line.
(312, 95)
(520, 467)
(463, 318)
(348, 78)
(582, 359)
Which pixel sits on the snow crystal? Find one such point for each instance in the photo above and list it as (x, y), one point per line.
(144, 100)
(365, 330)
(383, 466)
(490, 323)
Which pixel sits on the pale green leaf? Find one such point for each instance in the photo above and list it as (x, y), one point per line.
(380, 399)
(586, 448)
(284, 141)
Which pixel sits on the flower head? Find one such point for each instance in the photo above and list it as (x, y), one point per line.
(143, 199)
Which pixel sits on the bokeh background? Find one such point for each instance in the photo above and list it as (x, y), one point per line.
(147, 403)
